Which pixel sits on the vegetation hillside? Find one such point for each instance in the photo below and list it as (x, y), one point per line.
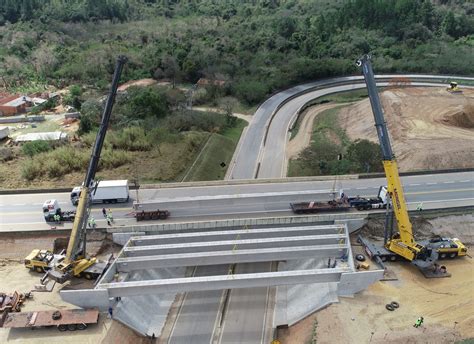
(257, 46)
(245, 49)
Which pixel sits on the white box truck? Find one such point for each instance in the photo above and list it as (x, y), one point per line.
(108, 191)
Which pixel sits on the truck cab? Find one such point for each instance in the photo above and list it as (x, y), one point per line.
(51, 208)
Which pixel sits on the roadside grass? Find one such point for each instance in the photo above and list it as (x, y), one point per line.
(218, 150)
(341, 97)
(344, 97)
(297, 168)
(325, 129)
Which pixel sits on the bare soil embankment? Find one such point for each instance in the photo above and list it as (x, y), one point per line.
(430, 128)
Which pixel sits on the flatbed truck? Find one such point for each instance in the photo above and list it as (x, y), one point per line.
(319, 207)
(63, 320)
(152, 215)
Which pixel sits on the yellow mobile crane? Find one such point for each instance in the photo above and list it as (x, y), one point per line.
(76, 262)
(423, 255)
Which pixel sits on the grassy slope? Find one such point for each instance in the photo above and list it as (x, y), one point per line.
(220, 148)
(325, 128)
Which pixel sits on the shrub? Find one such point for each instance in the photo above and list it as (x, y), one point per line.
(54, 169)
(131, 138)
(35, 147)
(31, 169)
(114, 158)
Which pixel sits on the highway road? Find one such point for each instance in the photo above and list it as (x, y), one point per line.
(23, 212)
(198, 315)
(248, 157)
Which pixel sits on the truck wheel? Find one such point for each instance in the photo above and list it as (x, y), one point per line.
(384, 258)
(360, 257)
(389, 307)
(72, 327)
(88, 276)
(39, 269)
(81, 326)
(393, 258)
(62, 327)
(453, 255)
(442, 255)
(394, 304)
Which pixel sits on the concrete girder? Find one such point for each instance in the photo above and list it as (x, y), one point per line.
(177, 238)
(308, 240)
(227, 257)
(176, 285)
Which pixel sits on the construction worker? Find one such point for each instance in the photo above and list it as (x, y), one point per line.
(418, 322)
(109, 221)
(104, 212)
(111, 312)
(92, 222)
(419, 207)
(109, 214)
(57, 218)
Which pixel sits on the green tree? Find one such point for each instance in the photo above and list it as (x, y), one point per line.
(365, 155)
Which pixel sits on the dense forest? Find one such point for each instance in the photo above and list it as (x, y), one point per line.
(257, 47)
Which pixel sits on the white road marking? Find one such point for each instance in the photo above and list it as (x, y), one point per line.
(465, 181)
(431, 183)
(413, 184)
(361, 188)
(451, 182)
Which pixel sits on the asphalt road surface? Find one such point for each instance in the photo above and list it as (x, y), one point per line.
(23, 212)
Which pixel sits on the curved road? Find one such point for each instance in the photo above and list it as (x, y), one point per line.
(284, 105)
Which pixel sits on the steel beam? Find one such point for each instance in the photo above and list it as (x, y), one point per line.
(231, 257)
(176, 285)
(308, 240)
(179, 238)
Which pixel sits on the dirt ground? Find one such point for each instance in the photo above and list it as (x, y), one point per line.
(141, 82)
(420, 119)
(303, 138)
(447, 304)
(14, 276)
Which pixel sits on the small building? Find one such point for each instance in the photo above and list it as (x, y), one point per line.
(48, 136)
(4, 132)
(13, 105)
